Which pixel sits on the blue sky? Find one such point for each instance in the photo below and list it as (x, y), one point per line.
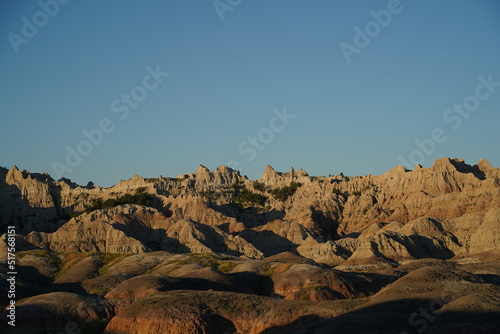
(227, 76)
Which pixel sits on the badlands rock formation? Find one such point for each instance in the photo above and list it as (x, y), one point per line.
(214, 252)
(451, 210)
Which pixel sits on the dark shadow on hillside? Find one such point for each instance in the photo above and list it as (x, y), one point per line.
(462, 167)
(491, 279)
(268, 242)
(43, 318)
(216, 241)
(219, 324)
(327, 225)
(201, 284)
(153, 239)
(367, 284)
(46, 219)
(259, 284)
(157, 203)
(134, 229)
(294, 325)
(354, 235)
(39, 219)
(74, 287)
(428, 249)
(250, 216)
(395, 317)
(157, 239)
(169, 244)
(26, 286)
(32, 275)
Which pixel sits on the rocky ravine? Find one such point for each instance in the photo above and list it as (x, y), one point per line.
(451, 210)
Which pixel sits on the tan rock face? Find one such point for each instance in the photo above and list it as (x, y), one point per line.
(29, 200)
(136, 229)
(94, 235)
(448, 210)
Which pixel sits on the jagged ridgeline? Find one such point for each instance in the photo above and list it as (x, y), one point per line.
(451, 210)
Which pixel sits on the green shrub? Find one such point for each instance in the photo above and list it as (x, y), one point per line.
(140, 198)
(259, 186)
(208, 194)
(283, 193)
(226, 266)
(221, 263)
(248, 197)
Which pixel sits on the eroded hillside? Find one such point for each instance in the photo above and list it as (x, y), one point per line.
(160, 292)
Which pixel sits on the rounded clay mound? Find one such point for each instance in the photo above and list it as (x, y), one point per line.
(144, 286)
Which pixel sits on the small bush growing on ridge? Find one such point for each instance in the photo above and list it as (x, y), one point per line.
(246, 196)
(285, 192)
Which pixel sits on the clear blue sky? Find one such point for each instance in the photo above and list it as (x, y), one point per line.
(227, 77)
